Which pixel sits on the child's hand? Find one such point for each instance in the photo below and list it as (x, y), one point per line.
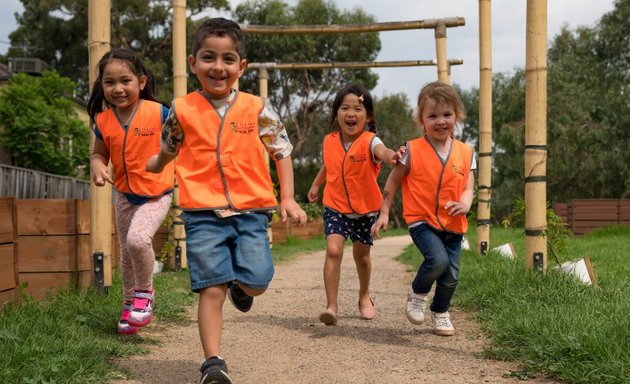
(152, 165)
(397, 155)
(454, 208)
(100, 174)
(381, 222)
(289, 207)
(313, 194)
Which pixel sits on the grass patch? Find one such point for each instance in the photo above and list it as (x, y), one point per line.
(293, 246)
(551, 323)
(72, 337)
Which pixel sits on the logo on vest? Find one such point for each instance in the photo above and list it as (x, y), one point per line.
(358, 158)
(240, 128)
(458, 169)
(138, 131)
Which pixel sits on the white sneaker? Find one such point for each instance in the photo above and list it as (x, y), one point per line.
(415, 307)
(442, 324)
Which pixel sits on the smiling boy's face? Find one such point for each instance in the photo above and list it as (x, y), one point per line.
(217, 65)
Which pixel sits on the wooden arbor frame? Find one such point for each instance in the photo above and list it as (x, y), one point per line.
(439, 25)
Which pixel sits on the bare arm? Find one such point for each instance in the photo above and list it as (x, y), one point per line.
(313, 193)
(288, 205)
(170, 141)
(157, 162)
(389, 193)
(388, 156)
(99, 161)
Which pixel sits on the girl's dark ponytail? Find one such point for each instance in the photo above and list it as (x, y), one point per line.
(372, 126)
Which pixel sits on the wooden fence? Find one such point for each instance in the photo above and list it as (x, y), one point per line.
(8, 252)
(45, 245)
(586, 215)
(23, 183)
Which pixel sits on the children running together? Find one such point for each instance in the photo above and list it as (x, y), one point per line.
(220, 137)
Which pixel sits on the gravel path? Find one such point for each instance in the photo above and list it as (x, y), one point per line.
(281, 341)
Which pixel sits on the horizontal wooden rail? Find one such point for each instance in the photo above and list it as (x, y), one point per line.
(353, 28)
(351, 64)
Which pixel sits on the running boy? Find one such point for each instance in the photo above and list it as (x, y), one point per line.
(219, 136)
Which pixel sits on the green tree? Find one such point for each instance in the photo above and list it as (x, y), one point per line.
(40, 127)
(141, 25)
(469, 132)
(588, 116)
(303, 97)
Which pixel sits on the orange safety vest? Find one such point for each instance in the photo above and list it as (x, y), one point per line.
(351, 185)
(130, 149)
(429, 184)
(221, 163)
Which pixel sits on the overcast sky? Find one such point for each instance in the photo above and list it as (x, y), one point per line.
(508, 30)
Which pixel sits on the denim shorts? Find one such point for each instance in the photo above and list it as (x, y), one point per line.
(220, 250)
(357, 229)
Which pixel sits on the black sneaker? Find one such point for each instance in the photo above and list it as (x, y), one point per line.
(214, 371)
(239, 299)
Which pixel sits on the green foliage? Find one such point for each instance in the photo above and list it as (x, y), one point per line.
(72, 338)
(557, 232)
(588, 84)
(313, 211)
(141, 25)
(394, 120)
(470, 125)
(550, 323)
(40, 126)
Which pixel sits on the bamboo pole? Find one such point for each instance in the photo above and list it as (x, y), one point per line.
(440, 49)
(485, 127)
(99, 36)
(353, 28)
(179, 48)
(536, 136)
(263, 85)
(351, 64)
(179, 89)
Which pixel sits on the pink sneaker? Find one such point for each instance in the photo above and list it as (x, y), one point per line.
(123, 323)
(142, 311)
